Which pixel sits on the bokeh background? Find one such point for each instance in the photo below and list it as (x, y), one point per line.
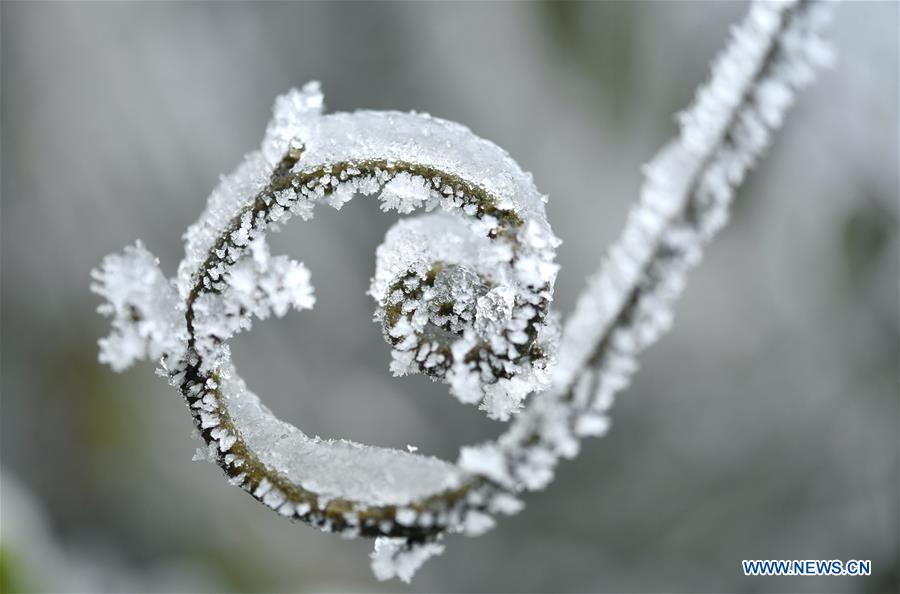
(764, 426)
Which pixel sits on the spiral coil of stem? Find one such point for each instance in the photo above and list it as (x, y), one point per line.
(463, 292)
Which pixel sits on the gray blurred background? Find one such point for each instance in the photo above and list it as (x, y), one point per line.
(764, 426)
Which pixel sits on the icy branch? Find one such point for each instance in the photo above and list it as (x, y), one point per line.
(684, 201)
(463, 293)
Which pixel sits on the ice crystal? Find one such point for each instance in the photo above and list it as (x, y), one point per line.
(395, 557)
(143, 305)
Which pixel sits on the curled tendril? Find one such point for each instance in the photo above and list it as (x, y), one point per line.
(462, 292)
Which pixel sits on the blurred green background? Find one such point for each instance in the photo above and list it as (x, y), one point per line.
(764, 426)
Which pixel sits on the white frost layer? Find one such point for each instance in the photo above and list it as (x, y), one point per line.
(416, 242)
(360, 136)
(424, 140)
(335, 468)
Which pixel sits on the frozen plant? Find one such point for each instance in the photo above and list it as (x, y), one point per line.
(463, 293)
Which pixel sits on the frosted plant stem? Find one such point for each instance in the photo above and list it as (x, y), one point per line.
(684, 201)
(463, 293)
(238, 460)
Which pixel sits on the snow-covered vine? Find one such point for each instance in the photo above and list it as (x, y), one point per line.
(463, 293)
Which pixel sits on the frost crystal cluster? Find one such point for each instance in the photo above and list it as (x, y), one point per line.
(463, 293)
